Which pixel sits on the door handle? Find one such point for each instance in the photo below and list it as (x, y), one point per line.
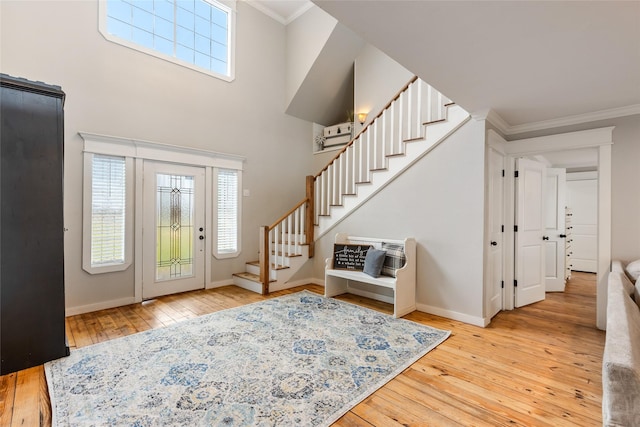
(201, 237)
(494, 243)
(545, 237)
(563, 236)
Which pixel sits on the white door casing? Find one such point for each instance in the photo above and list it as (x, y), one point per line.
(529, 245)
(173, 229)
(555, 202)
(495, 276)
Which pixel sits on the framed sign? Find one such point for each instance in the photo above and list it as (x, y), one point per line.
(349, 257)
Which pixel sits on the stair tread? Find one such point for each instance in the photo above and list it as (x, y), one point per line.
(292, 244)
(434, 121)
(273, 266)
(250, 276)
(395, 155)
(288, 256)
(419, 138)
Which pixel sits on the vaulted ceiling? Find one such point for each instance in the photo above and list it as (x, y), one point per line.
(533, 63)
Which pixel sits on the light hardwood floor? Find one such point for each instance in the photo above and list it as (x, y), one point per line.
(535, 366)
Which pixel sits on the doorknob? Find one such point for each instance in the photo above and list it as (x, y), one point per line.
(562, 236)
(494, 243)
(545, 237)
(201, 237)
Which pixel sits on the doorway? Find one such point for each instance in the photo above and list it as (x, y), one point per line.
(173, 229)
(598, 139)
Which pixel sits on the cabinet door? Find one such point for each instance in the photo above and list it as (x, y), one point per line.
(31, 239)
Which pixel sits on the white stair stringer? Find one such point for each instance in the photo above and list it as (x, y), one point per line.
(414, 151)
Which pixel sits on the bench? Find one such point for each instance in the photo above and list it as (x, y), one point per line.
(403, 286)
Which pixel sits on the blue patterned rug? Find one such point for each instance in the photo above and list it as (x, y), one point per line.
(300, 359)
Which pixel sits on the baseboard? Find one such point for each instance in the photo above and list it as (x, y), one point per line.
(72, 311)
(288, 285)
(219, 284)
(450, 314)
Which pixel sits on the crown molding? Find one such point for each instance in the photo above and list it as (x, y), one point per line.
(281, 19)
(505, 128)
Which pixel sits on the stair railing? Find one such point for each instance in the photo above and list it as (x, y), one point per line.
(402, 120)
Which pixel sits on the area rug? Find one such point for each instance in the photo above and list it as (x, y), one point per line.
(300, 359)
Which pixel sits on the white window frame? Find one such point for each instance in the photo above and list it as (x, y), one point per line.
(87, 220)
(214, 240)
(136, 152)
(227, 5)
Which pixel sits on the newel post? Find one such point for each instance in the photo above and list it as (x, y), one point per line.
(264, 256)
(310, 213)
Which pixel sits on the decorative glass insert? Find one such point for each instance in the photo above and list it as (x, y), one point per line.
(175, 229)
(196, 32)
(108, 210)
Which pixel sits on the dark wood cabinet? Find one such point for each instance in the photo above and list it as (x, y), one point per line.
(32, 329)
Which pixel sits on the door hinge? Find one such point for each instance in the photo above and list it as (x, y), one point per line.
(502, 284)
(503, 173)
(515, 174)
(515, 283)
(515, 228)
(502, 228)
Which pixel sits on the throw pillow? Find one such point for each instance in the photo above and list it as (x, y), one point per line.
(633, 269)
(373, 262)
(394, 259)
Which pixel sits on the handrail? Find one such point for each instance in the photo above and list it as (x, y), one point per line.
(396, 96)
(292, 210)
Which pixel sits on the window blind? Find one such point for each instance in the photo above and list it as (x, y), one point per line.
(108, 179)
(227, 210)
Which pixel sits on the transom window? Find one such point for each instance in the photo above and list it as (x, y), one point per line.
(194, 33)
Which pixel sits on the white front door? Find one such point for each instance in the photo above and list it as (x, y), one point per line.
(530, 246)
(173, 229)
(555, 202)
(495, 228)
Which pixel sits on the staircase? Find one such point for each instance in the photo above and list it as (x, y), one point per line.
(413, 123)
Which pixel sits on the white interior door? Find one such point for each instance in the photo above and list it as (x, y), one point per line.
(495, 257)
(173, 229)
(582, 198)
(529, 245)
(555, 201)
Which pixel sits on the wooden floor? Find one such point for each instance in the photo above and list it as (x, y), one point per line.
(535, 366)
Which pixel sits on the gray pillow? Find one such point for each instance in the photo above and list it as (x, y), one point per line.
(373, 262)
(633, 269)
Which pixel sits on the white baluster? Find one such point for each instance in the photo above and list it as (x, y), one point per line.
(282, 240)
(440, 107)
(418, 102)
(429, 103)
(274, 240)
(290, 236)
(357, 162)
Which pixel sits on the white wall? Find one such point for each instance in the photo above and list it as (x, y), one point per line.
(377, 79)
(625, 192)
(440, 202)
(305, 38)
(118, 91)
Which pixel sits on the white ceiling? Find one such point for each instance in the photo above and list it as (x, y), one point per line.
(533, 63)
